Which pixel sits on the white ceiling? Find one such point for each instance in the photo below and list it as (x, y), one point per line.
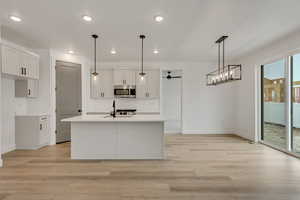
(187, 33)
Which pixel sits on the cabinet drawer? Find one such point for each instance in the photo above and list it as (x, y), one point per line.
(43, 130)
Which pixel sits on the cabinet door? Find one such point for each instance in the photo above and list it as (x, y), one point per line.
(95, 91)
(25, 63)
(43, 130)
(141, 86)
(129, 77)
(33, 88)
(10, 61)
(107, 84)
(153, 83)
(119, 77)
(102, 86)
(33, 67)
(124, 77)
(150, 86)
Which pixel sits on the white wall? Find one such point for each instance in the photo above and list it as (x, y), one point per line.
(248, 87)
(206, 109)
(11, 106)
(172, 102)
(1, 162)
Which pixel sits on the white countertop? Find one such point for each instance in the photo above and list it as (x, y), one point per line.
(104, 118)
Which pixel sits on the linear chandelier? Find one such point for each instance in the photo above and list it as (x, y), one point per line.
(224, 73)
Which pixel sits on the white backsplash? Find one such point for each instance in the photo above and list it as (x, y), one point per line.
(152, 105)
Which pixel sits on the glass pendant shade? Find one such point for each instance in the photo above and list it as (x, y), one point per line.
(224, 73)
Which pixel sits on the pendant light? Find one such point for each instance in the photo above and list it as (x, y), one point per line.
(224, 73)
(142, 73)
(95, 73)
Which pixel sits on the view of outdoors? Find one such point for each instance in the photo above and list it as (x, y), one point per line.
(274, 105)
(274, 131)
(296, 103)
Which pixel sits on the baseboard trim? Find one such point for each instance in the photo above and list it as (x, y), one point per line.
(205, 132)
(9, 149)
(244, 136)
(172, 132)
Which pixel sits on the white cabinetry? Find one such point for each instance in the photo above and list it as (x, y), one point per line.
(149, 88)
(27, 88)
(10, 61)
(19, 63)
(32, 132)
(124, 77)
(102, 85)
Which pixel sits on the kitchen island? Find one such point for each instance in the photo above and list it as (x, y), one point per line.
(105, 137)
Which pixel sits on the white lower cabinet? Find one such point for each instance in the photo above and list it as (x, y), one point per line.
(32, 131)
(27, 88)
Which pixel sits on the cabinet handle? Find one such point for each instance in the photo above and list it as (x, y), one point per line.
(103, 94)
(41, 127)
(22, 70)
(29, 92)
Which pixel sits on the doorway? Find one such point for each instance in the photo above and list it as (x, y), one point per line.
(68, 97)
(172, 100)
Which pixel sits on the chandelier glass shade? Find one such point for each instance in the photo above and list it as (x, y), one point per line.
(224, 73)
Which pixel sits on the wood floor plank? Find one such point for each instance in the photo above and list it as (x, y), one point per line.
(209, 167)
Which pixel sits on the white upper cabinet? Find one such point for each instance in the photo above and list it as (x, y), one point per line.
(19, 63)
(27, 88)
(102, 85)
(31, 65)
(149, 88)
(124, 77)
(10, 61)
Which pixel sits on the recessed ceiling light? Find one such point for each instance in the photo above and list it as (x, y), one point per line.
(158, 18)
(87, 18)
(15, 18)
(155, 51)
(70, 52)
(113, 51)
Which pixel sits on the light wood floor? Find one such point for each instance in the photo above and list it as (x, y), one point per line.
(197, 167)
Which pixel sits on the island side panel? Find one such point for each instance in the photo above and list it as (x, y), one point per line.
(140, 140)
(90, 140)
(117, 140)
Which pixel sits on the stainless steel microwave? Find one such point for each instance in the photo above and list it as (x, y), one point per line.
(121, 91)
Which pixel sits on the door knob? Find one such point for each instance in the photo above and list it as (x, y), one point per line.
(79, 110)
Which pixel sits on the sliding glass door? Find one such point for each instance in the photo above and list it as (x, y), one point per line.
(295, 71)
(273, 105)
(280, 103)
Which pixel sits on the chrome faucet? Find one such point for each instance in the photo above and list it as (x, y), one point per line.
(113, 113)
